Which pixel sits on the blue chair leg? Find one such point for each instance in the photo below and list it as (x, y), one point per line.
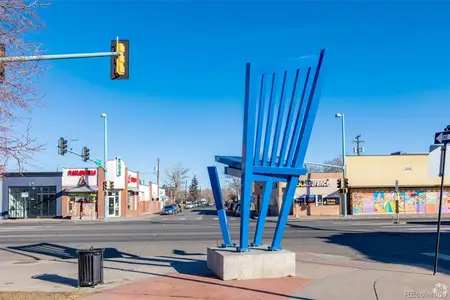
(221, 213)
(245, 212)
(267, 192)
(288, 198)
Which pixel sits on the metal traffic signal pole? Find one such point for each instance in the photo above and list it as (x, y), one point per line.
(10, 59)
(119, 59)
(442, 138)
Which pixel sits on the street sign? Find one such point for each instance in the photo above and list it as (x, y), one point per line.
(442, 137)
(98, 162)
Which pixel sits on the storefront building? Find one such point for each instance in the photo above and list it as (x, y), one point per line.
(372, 181)
(80, 193)
(30, 195)
(316, 194)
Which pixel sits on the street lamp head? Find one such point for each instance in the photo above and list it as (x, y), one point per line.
(103, 115)
(338, 115)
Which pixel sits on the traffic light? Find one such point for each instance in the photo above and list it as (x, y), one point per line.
(2, 66)
(85, 154)
(346, 183)
(120, 64)
(105, 185)
(339, 183)
(111, 185)
(341, 191)
(62, 146)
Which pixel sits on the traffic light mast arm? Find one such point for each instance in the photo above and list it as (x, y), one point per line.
(9, 59)
(323, 165)
(81, 155)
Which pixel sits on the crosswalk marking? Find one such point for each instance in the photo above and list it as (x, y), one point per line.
(432, 229)
(182, 218)
(441, 256)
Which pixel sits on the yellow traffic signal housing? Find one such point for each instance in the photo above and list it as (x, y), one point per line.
(120, 64)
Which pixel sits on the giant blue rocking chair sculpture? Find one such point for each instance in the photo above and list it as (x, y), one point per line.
(281, 101)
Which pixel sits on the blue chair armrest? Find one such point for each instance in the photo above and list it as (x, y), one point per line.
(232, 161)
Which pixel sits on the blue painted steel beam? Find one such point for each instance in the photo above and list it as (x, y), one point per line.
(267, 192)
(248, 144)
(288, 198)
(257, 177)
(221, 213)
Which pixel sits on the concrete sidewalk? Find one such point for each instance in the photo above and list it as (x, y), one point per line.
(318, 277)
(391, 217)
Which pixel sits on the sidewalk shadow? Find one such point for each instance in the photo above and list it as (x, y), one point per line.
(63, 252)
(187, 266)
(405, 248)
(196, 268)
(182, 252)
(54, 278)
(205, 211)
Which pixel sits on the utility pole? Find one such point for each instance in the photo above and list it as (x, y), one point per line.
(157, 175)
(359, 145)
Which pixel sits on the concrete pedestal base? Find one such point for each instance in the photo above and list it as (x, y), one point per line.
(258, 263)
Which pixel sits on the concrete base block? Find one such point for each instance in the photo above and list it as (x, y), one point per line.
(258, 263)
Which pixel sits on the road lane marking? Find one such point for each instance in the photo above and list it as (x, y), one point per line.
(441, 256)
(22, 228)
(432, 229)
(182, 219)
(199, 218)
(216, 218)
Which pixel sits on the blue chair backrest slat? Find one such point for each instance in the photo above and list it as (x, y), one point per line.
(281, 105)
(297, 125)
(269, 120)
(310, 113)
(278, 124)
(259, 128)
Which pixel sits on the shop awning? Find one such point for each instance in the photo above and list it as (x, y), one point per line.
(133, 189)
(82, 189)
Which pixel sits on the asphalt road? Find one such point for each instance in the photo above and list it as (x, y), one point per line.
(412, 243)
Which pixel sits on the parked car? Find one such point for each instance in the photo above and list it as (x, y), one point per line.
(237, 210)
(170, 209)
(189, 205)
(179, 208)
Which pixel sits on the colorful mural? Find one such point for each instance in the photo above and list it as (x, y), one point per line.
(411, 201)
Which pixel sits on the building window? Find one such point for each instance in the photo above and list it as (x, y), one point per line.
(32, 202)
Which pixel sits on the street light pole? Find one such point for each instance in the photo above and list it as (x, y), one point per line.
(344, 171)
(105, 157)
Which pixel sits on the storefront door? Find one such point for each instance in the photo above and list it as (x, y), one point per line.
(113, 204)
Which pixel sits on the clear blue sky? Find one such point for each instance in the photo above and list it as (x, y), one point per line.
(389, 74)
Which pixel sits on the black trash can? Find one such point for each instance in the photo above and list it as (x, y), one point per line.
(90, 267)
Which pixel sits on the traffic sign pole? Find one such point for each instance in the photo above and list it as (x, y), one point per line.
(397, 203)
(440, 138)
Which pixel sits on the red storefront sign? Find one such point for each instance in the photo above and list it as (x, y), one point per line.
(81, 172)
(132, 179)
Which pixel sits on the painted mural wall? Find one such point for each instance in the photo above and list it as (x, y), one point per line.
(413, 201)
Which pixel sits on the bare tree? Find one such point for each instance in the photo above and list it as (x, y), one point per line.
(234, 187)
(207, 194)
(314, 169)
(175, 178)
(337, 161)
(18, 93)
